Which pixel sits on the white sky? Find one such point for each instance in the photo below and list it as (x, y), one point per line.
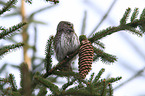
(73, 11)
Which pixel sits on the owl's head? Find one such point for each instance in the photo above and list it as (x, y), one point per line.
(65, 26)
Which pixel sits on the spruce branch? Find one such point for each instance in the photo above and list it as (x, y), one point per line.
(68, 84)
(34, 49)
(131, 78)
(61, 63)
(7, 6)
(105, 57)
(8, 32)
(104, 17)
(12, 82)
(110, 30)
(42, 91)
(66, 73)
(111, 80)
(74, 92)
(125, 16)
(104, 88)
(4, 3)
(110, 89)
(48, 53)
(91, 78)
(97, 77)
(54, 89)
(100, 44)
(134, 46)
(142, 16)
(54, 1)
(2, 28)
(93, 86)
(84, 23)
(15, 93)
(3, 68)
(28, 1)
(8, 48)
(134, 14)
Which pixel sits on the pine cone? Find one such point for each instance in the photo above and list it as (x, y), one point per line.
(85, 58)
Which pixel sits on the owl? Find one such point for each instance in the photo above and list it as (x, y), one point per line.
(65, 43)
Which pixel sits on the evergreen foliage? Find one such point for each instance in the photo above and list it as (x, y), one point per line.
(75, 86)
(7, 6)
(11, 30)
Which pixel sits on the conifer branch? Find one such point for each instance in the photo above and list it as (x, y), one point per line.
(42, 91)
(134, 14)
(91, 78)
(54, 1)
(110, 89)
(15, 93)
(66, 73)
(111, 80)
(48, 54)
(8, 32)
(125, 16)
(74, 92)
(5, 49)
(104, 17)
(54, 89)
(97, 77)
(68, 84)
(84, 23)
(3, 68)
(123, 26)
(131, 78)
(105, 57)
(38, 11)
(104, 88)
(12, 82)
(111, 30)
(61, 63)
(8, 5)
(142, 16)
(100, 44)
(29, 1)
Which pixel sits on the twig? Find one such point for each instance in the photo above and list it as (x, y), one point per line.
(138, 51)
(61, 63)
(131, 78)
(84, 23)
(104, 17)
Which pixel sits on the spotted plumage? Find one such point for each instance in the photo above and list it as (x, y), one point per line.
(65, 42)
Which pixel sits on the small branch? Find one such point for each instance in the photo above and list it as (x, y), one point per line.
(111, 30)
(131, 78)
(61, 63)
(84, 23)
(8, 5)
(12, 82)
(68, 84)
(134, 46)
(8, 32)
(104, 17)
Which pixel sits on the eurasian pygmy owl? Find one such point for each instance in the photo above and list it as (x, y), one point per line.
(65, 42)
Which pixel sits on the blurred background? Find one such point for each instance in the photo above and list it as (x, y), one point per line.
(98, 15)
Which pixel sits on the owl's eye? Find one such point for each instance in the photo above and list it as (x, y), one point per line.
(70, 25)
